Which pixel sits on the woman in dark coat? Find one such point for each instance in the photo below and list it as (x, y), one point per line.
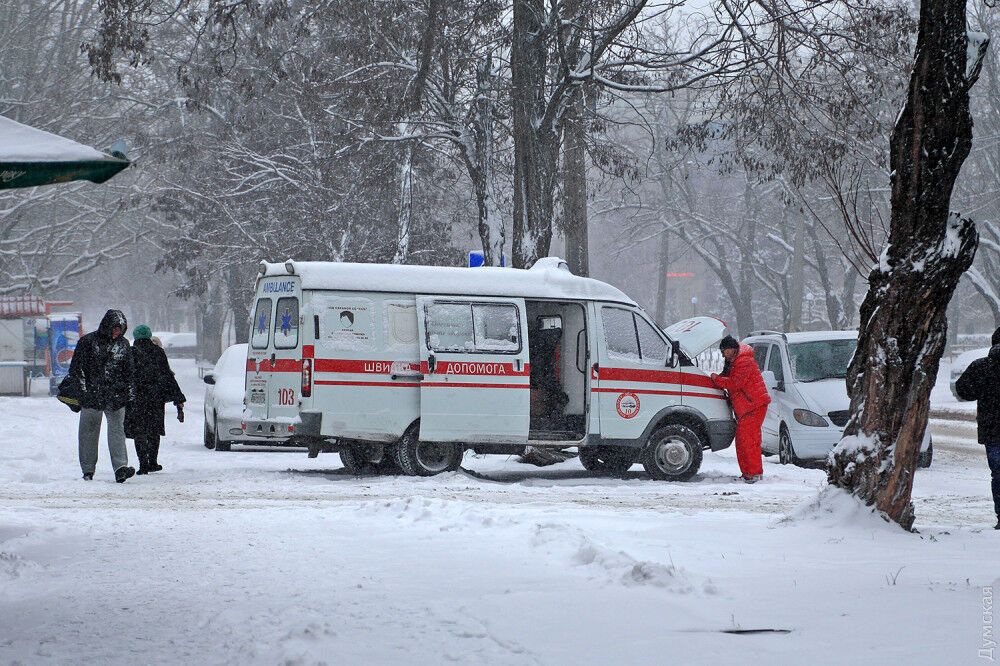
(155, 385)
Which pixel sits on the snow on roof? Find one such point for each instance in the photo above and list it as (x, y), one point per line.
(21, 143)
(810, 336)
(545, 280)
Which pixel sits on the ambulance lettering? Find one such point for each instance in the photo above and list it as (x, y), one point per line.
(454, 368)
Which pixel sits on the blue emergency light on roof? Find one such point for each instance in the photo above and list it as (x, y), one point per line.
(477, 259)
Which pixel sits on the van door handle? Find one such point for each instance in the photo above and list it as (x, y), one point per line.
(273, 357)
(407, 375)
(431, 363)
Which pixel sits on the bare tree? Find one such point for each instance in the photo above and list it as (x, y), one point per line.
(903, 317)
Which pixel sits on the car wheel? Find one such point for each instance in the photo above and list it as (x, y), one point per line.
(786, 453)
(672, 453)
(220, 445)
(418, 458)
(209, 437)
(353, 460)
(924, 461)
(606, 460)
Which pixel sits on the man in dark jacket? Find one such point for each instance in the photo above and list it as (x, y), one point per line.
(981, 382)
(155, 385)
(102, 367)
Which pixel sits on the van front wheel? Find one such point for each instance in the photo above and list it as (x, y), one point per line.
(417, 458)
(672, 453)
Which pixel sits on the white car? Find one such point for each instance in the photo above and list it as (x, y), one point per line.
(805, 376)
(178, 345)
(962, 362)
(224, 399)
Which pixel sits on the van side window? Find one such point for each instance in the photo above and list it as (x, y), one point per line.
(401, 322)
(473, 327)
(260, 334)
(774, 363)
(449, 327)
(286, 324)
(651, 346)
(620, 334)
(496, 327)
(760, 355)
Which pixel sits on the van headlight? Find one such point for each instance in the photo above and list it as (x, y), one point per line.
(808, 418)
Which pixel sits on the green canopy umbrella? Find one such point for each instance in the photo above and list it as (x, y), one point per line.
(30, 157)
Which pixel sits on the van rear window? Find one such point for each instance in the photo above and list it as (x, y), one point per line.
(286, 323)
(260, 334)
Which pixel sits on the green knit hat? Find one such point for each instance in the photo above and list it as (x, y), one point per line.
(142, 332)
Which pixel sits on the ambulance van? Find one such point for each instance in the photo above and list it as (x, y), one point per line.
(404, 368)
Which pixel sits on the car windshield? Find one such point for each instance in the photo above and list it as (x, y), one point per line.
(821, 359)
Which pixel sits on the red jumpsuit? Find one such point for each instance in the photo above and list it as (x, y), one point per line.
(750, 399)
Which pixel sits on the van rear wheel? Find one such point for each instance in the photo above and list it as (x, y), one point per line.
(672, 453)
(417, 458)
(606, 460)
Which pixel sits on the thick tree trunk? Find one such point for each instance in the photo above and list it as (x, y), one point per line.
(478, 154)
(663, 262)
(903, 317)
(575, 189)
(404, 213)
(536, 142)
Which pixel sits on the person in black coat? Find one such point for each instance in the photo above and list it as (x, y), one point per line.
(100, 378)
(981, 382)
(155, 385)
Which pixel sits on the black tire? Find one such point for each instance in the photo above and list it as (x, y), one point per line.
(417, 458)
(209, 437)
(602, 460)
(353, 462)
(672, 453)
(220, 445)
(926, 457)
(786, 452)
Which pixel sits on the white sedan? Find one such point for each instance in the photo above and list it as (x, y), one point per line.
(226, 387)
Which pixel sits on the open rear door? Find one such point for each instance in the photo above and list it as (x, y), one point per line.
(476, 378)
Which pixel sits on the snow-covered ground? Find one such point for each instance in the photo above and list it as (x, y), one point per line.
(268, 557)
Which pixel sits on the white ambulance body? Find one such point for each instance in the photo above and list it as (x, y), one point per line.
(406, 367)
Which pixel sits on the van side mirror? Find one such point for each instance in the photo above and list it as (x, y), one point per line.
(771, 382)
(209, 378)
(675, 354)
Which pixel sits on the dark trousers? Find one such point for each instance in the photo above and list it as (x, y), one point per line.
(993, 457)
(147, 447)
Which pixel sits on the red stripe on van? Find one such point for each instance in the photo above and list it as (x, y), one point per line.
(474, 385)
(326, 382)
(476, 369)
(654, 377)
(363, 367)
(280, 365)
(308, 351)
(686, 394)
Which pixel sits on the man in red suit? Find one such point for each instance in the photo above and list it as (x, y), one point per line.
(741, 378)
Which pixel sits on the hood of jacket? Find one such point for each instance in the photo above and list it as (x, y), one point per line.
(111, 319)
(994, 354)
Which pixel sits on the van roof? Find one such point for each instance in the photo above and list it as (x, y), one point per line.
(546, 279)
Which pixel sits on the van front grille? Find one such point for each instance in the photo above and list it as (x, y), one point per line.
(840, 418)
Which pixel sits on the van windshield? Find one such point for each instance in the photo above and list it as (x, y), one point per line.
(821, 359)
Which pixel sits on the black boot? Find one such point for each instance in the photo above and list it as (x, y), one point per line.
(153, 452)
(88, 476)
(123, 473)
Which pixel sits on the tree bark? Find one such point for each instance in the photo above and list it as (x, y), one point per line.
(536, 142)
(903, 317)
(575, 188)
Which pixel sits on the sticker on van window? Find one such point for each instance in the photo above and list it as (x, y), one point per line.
(627, 405)
(347, 323)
